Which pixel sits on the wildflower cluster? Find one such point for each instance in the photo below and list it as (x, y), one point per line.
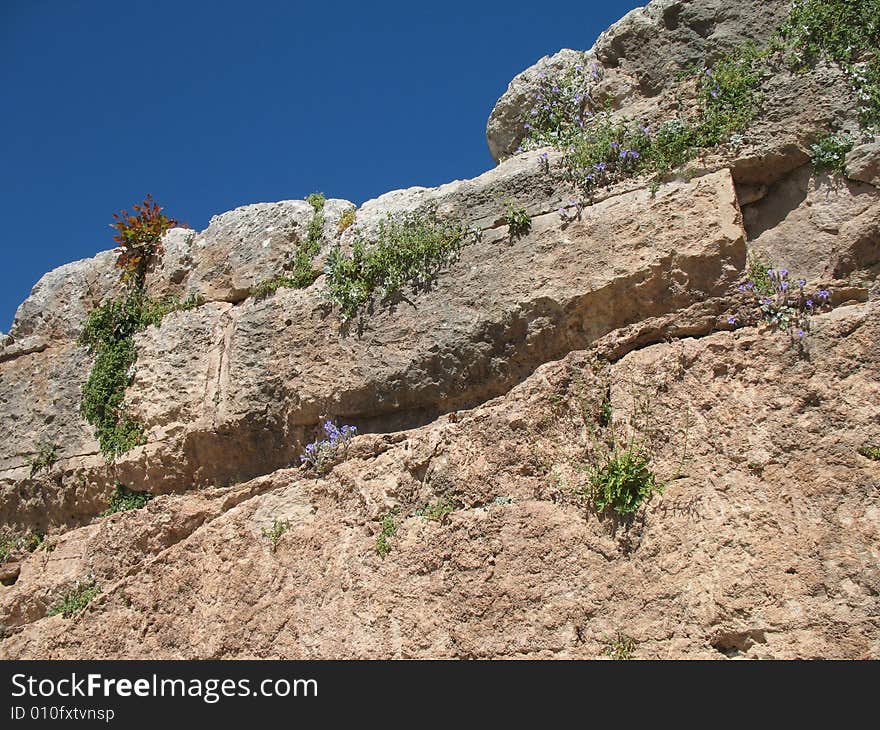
(519, 222)
(561, 106)
(322, 453)
(784, 304)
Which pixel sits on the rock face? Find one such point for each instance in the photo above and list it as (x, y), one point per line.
(480, 402)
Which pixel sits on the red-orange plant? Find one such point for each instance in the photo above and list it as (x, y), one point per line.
(140, 236)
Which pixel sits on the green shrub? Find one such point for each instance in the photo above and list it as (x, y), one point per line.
(124, 499)
(77, 598)
(388, 528)
(829, 152)
(43, 459)
(623, 481)
(519, 223)
(410, 249)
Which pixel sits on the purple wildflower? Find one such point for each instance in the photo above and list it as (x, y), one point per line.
(731, 320)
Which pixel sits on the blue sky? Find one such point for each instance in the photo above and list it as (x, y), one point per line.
(212, 105)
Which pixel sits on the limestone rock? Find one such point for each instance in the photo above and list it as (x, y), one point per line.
(863, 163)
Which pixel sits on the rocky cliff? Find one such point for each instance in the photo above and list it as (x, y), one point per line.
(676, 259)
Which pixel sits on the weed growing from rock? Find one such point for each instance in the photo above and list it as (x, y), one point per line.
(623, 481)
(409, 249)
(519, 223)
(77, 598)
(829, 152)
(622, 647)
(12, 544)
(387, 530)
(124, 499)
(110, 329)
(321, 454)
(301, 274)
(437, 511)
(43, 459)
(870, 452)
(273, 534)
(346, 220)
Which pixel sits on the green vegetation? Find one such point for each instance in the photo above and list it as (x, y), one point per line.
(388, 528)
(300, 274)
(110, 329)
(410, 249)
(438, 510)
(845, 32)
(870, 452)
(829, 152)
(346, 220)
(124, 499)
(12, 544)
(44, 458)
(600, 151)
(758, 273)
(623, 481)
(519, 223)
(76, 599)
(621, 648)
(273, 534)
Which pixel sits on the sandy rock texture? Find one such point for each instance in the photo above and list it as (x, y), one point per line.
(459, 521)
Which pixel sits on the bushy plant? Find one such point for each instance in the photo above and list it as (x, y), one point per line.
(387, 530)
(140, 237)
(829, 152)
(43, 459)
(321, 454)
(519, 223)
(77, 598)
(124, 499)
(623, 480)
(410, 249)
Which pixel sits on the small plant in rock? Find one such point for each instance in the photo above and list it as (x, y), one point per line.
(409, 250)
(12, 544)
(788, 305)
(140, 237)
(321, 454)
(438, 510)
(870, 452)
(43, 459)
(387, 530)
(622, 647)
(192, 301)
(77, 598)
(124, 499)
(829, 152)
(622, 481)
(273, 534)
(519, 223)
(346, 220)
